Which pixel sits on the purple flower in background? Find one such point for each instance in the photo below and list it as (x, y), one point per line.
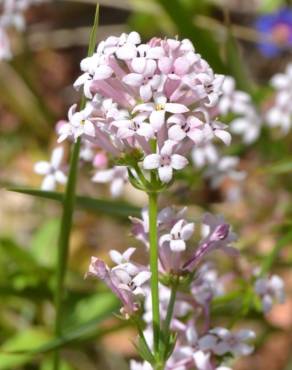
(276, 29)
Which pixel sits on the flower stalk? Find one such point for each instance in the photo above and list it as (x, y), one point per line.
(153, 241)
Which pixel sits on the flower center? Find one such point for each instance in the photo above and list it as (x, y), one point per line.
(164, 160)
(159, 106)
(186, 127)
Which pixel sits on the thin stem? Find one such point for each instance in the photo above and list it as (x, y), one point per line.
(170, 308)
(142, 336)
(67, 216)
(153, 240)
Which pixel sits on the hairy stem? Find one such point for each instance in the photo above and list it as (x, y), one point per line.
(67, 216)
(153, 240)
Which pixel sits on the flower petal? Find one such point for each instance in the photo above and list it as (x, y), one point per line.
(165, 173)
(178, 162)
(151, 161)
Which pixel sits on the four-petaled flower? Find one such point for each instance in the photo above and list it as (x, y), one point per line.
(270, 290)
(166, 161)
(79, 124)
(179, 234)
(158, 110)
(51, 170)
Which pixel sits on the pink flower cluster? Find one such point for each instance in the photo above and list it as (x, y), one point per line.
(157, 98)
(197, 343)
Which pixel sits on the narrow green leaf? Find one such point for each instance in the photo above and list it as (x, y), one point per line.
(282, 167)
(100, 206)
(235, 65)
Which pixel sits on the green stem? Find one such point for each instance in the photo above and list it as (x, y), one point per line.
(142, 336)
(170, 308)
(153, 240)
(169, 314)
(67, 216)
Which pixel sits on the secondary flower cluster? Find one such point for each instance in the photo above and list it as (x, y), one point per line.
(197, 344)
(280, 113)
(12, 16)
(246, 120)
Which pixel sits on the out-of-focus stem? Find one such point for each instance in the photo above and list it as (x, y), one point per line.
(67, 216)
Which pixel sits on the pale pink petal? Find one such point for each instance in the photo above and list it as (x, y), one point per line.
(42, 168)
(181, 66)
(224, 136)
(141, 278)
(146, 131)
(151, 161)
(156, 52)
(133, 79)
(60, 177)
(165, 173)
(57, 156)
(145, 92)
(134, 38)
(177, 245)
(202, 360)
(128, 253)
(117, 187)
(49, 183)
(175, 108)
(89, 128)
(187, 231)
(103, 176)
(178, 162)
(176, 133)
(116, 256)
(157, 119)
(81, 80)
(168, 147)
(126, 52)
(102, 72)
(139, 65)
(165, 65)
(196, 135)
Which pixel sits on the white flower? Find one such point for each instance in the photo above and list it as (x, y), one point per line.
(165, 162)
(248, 125)
(179, 234)
(79, 124)
(123, 260)
(280, 113)
(158, 109)
(117, 176)
(232, 100)
(204, 154)
(51, 170)
(131, 127)
(130, 283)
(270, 290)
(224, 168)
